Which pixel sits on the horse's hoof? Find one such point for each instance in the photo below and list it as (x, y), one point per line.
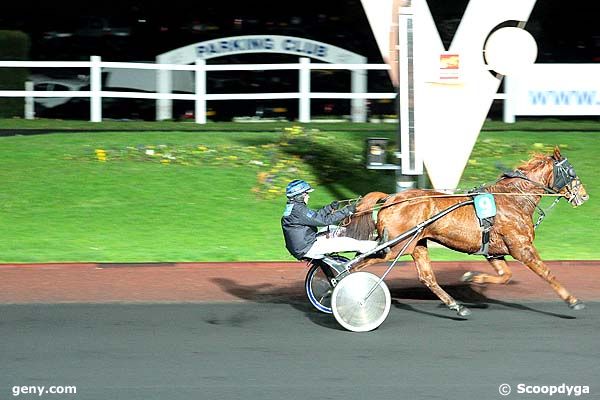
(468, 276)
(461, 310)
(577, 305)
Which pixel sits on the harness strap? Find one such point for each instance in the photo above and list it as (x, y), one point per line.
(485, 210)
(486, 226)
(520, 175)
(543, 214)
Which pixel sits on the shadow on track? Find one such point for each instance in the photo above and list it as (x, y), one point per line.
(463, 292)
(401, 290)
(267, 293)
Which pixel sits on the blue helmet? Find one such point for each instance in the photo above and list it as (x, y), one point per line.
(296, 187)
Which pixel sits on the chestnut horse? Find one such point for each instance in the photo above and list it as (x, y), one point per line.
(516, 196)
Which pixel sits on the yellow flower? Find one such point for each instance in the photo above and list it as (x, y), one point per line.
(101, 155)
(165, 161)
(262, 177)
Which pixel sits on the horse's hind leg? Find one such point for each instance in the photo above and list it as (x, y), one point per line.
(499, 264)
(427, 277)
(529, 256)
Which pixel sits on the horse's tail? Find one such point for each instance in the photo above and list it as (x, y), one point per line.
(361, 225)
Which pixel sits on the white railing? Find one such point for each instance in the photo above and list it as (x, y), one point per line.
(96, 94)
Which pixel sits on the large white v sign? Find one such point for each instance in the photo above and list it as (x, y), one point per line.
(447, 118)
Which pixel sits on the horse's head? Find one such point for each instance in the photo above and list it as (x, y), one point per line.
(565, 180)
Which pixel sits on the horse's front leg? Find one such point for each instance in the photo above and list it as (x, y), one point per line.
(502, 270)
(421, 256)
(529, 256)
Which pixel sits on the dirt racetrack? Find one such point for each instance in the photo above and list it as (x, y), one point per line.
(258, 281)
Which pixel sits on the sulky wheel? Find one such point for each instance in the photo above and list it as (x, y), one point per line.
(357, 310)
(320, 281)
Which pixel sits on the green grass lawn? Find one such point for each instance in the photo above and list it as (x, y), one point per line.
(219, 196)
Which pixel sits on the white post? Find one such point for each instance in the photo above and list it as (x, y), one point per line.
(359, 106)
(164, 84)
(29, 102)
(359, 85)
(304, 111)
(507, 104)
(95, 89)
(200, 109)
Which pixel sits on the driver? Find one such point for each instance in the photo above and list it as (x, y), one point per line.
(299, 224)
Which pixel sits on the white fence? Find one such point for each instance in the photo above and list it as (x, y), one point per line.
(96, 94)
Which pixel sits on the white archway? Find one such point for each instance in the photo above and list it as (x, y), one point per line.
(259, 44)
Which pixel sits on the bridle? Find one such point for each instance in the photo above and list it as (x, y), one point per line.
(564, 176)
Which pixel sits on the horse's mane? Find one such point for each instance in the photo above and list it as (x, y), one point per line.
(536, 161)
(536, 169)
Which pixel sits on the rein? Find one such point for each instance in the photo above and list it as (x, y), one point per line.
(378, 207)
(563, 173)
(549, 192)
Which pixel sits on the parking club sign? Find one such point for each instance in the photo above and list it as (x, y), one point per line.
(261, 44)
(222, 47)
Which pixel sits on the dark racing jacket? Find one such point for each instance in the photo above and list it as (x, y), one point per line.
(299, 224)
